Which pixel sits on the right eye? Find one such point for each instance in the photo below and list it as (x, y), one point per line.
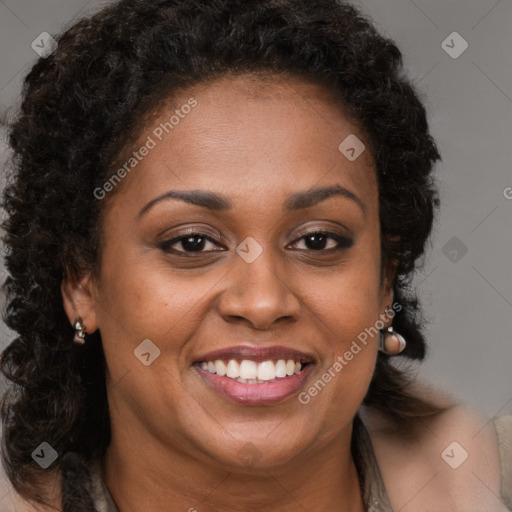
(193, 242)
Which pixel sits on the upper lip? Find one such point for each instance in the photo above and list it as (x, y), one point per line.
(257, 354)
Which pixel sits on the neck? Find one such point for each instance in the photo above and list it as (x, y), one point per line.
(147, 475)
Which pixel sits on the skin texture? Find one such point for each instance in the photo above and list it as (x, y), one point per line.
(175, 440)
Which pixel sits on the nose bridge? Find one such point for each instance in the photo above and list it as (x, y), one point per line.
(262, 271)
(258, 290)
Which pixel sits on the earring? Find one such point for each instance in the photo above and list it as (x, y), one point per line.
(390, 342)
(80, 333)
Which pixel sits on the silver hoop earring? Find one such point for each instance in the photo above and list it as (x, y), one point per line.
(390, 342)
(80, 333)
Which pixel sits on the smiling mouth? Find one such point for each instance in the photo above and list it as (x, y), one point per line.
(247, 371)
(252, 377)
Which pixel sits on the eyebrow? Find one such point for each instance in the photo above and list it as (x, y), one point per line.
(218, 202)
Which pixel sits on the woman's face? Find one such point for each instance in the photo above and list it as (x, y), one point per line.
(245, 282)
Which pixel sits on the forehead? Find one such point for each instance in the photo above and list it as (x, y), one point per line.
(268, 134)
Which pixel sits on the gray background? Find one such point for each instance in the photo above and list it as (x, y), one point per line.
(467, 295)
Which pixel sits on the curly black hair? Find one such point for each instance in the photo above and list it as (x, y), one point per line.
(83, 105)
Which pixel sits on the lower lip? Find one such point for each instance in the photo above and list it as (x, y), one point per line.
(255, 394)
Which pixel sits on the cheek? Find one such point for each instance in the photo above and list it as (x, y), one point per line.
(349, 349)
(348, 301)
(141, 298)
(346, 309)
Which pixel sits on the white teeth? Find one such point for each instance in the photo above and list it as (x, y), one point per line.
(248, 369)
(220, 368)
(251, 372)
(281, 368)
(233, 369)
(267, 370)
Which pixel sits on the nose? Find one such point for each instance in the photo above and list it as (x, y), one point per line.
(259, 293)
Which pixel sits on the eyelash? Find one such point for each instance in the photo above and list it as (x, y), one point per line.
(342, 241)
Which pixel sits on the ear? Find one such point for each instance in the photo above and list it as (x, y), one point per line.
(78, 301)
(388, 276)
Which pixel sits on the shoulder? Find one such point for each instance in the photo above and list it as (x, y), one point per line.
(448, 462)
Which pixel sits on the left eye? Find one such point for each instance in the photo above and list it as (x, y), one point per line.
(318, 241)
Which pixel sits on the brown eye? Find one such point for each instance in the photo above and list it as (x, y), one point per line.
(191, 242)
(318, 241)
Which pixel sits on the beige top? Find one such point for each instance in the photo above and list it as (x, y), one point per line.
(503, 427)
(374, 492)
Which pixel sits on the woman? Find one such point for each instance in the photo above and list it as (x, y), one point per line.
(216, 210)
